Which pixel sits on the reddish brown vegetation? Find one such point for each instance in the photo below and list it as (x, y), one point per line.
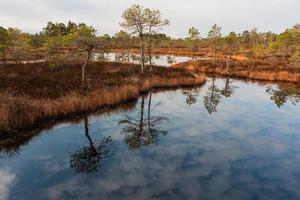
(200, 52)
(245, 69)
(33, 94)
(168, 51)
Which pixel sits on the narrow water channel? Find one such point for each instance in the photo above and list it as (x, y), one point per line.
(158, 60)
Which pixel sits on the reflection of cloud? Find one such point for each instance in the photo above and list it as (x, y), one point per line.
(6, 181)
(247, 148)
(221, 168)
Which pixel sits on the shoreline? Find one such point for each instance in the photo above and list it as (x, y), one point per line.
(184, 52)
(27, 102)
(241, 69)
(22, 113)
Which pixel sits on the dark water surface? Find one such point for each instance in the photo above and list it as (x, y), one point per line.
(229, 139)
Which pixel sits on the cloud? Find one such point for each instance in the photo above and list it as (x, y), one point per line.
(237, 15)
(7, 179)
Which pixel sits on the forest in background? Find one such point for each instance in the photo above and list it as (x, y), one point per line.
(54, 43)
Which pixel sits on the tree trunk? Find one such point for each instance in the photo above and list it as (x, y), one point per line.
(227, 64)
(142, 52)
(4, 61)
(227, 85)
(215, 53)
(193, 49)
(83, 69)
(86, 132)
(16, 55)
(142, 116)
(149, 112)
(286, 52)
(213, 88)
(149, 49)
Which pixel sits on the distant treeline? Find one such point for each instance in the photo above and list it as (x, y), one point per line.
(53, 42)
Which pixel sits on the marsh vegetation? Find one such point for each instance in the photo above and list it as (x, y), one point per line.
(143, 115)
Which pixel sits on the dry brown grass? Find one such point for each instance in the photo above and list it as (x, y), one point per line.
(26, 108)
(169, 51)
(241, 69)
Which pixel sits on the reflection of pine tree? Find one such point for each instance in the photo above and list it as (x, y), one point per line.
(191, 95)
(88, 159)
(280, 97)
(228, 90)
(135, 59)
(122, 57)
(170, 60)
(213, 98)
(142, 131)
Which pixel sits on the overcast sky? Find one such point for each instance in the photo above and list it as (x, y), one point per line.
(236, 15)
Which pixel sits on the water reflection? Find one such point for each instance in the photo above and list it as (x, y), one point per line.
(212, 97)
(228, 89)
(8, 146)
(88, 159)
(249, 149)
(281, 96)
(191, 95)
(123, 57)
(126, 57)
(142, 130)
(11, 143)
(171, 60)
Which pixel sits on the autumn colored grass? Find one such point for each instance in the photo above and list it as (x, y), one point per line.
(258, 70)
(183, 51)
(168, 51)
(34, 94)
